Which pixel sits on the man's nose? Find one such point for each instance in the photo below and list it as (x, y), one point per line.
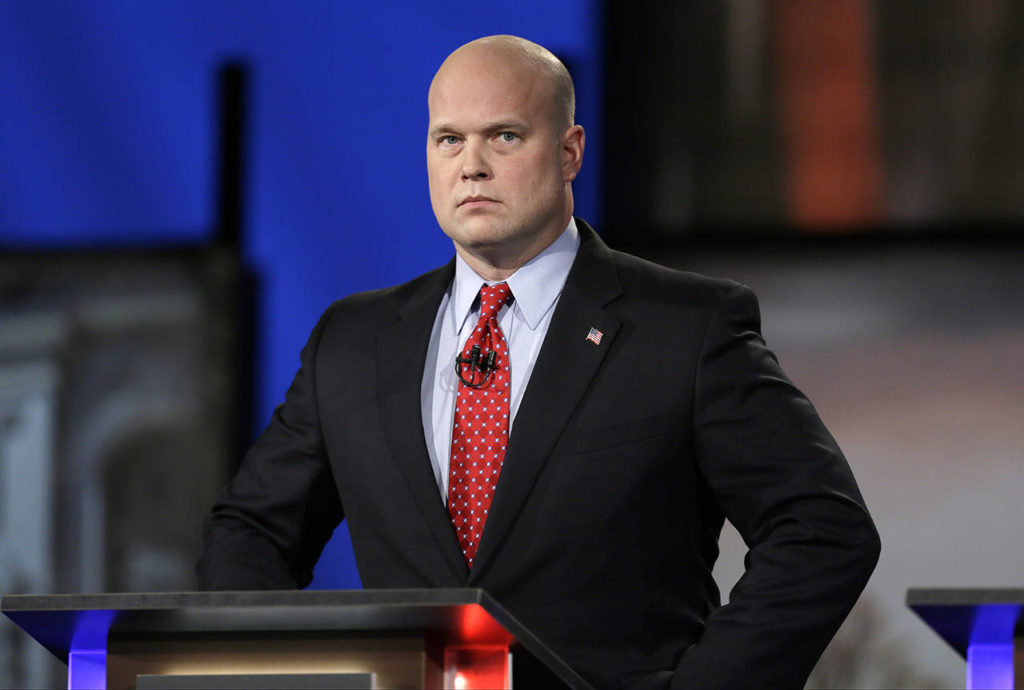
(474, 162)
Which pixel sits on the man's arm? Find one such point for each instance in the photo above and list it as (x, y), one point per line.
(271, 522)
(780, 478)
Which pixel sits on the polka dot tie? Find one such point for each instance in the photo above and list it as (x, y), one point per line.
(480, 430)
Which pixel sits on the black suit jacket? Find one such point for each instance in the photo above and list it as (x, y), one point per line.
(623, 460)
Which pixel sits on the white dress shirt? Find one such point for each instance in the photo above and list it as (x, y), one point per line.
(535, 287)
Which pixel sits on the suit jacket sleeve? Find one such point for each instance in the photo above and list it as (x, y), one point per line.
(780, 478)
(271, 522)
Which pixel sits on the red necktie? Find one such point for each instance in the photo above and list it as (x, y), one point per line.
(480, 430)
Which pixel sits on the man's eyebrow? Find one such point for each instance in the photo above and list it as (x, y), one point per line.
(507, 124)
(439, 128)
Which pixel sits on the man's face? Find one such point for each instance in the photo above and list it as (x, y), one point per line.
(497, 162)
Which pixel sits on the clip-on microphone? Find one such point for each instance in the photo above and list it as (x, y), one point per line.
(487, 367)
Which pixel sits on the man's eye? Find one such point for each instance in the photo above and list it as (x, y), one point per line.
(508, 137)
(449, 140)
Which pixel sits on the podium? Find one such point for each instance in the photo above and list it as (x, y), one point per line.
(985, 626)
(429, 638)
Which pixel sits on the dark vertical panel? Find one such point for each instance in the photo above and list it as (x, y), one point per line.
(692, 137)
(232, 92)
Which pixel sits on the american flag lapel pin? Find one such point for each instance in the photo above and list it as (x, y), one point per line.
(595, 336)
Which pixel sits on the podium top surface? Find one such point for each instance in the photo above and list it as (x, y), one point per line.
(141, 601)
(967, 616)
(71, 622)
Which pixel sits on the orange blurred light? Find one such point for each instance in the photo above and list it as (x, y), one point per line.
(828, 112)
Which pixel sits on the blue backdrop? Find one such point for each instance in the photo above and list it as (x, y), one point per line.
(108, 126)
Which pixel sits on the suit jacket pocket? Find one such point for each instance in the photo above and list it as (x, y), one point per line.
(623, 432)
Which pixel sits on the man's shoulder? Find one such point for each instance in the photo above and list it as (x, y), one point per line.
(644, 279)
(644, 271)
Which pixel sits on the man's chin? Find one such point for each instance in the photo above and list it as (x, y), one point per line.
(479, 232)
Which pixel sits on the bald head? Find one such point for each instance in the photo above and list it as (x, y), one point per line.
(517, 55)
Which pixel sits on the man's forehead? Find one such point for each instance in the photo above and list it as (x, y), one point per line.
(479, 79)
(473, 111)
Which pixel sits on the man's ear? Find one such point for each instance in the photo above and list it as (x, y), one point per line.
(573, 142)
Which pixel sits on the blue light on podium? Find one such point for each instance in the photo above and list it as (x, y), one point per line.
(990, 652)
(990, 667)
(87, 658)
(87, 669)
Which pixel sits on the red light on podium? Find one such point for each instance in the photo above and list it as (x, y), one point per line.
(477, 668)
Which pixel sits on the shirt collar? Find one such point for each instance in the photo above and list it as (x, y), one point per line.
(536, 284)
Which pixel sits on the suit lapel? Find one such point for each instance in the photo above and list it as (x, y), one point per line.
(565, 366)
(401, 357)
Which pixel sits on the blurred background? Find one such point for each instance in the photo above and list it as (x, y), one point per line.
(185, 186)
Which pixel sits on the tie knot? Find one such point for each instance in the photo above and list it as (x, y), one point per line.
(491, 299)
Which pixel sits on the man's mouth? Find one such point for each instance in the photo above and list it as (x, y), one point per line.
(472, 201)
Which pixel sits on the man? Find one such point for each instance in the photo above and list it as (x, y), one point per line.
(626, 409)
